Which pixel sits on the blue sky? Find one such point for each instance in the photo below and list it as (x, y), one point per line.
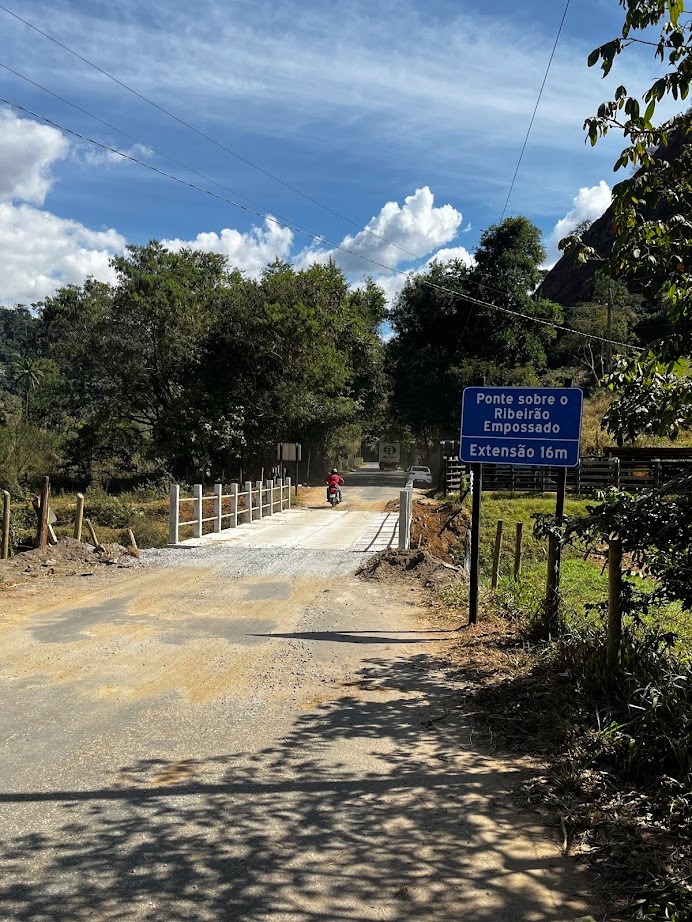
(358, 104)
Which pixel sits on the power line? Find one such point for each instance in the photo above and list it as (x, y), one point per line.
(135, 140)
(538, 101)
(316, 237)
(204, 135)
(108, 75)
(206, 178)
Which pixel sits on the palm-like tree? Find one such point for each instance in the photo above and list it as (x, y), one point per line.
(28, 374)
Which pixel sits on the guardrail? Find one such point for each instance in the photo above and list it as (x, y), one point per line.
(229, 509)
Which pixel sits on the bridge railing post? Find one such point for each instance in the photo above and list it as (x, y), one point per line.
(198, 513)
(288, 491)
(234, 505)
(218, 506)
(174, 514)
(405, 508)
(248, 501)
(259, 499)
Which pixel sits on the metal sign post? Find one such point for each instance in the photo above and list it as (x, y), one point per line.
(477, 474)
(529, 426)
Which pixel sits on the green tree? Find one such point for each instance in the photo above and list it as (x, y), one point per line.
(444, 339)
(614, 314)
(187, 365)
(27, 375)
(652, 227)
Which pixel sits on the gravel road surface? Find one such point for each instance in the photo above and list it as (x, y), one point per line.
(239, 733)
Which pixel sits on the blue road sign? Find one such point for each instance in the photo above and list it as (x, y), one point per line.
(521, 425)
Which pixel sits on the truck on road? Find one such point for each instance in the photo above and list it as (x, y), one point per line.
(390, 456)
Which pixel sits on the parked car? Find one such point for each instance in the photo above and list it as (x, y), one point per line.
(419, 476)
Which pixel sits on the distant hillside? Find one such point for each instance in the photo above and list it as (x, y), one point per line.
(568, 283)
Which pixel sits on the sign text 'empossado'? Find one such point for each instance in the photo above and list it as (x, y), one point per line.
(521, 425)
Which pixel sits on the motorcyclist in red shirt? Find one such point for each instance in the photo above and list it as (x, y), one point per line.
(334, 481)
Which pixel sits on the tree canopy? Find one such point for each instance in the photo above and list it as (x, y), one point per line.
(444, 339)
(652, 226)
(189, 366)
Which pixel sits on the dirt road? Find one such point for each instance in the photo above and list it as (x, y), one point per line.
(252, 741)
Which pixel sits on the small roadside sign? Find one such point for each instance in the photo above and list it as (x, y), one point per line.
(289, 451)
(521, 425)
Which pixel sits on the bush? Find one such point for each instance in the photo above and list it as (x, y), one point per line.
(148, 533)
(107, 510)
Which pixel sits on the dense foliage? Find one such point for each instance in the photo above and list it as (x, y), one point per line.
(653, 389)
(185, 366)
(445, 340)
(652, 227)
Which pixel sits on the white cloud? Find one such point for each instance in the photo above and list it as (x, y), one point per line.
(589, 203)
(40, 252)
(399, 233)
(447, 254)
(250, 251)
(392, 284)
(27, 152)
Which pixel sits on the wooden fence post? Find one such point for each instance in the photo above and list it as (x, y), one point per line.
(552, 592)
(260, 511)
(79, 517)
(92, 532)
(198, 513)
(218, 506)
(234, 505)
(248, 502)
(614, 599)
(498, 551)
(174, 514)
(42, 533)
(6, 513)
(518, 548)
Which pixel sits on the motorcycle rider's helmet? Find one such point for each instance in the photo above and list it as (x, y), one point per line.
(334, 471)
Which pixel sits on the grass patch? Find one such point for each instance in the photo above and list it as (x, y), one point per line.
(111, 516)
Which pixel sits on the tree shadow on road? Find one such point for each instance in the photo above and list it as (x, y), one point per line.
(388, 637)
(422, 829)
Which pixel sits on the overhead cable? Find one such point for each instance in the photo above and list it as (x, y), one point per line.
(203, 134)
(316, 237)
(535, 110)
(191, 127)
(144, 144)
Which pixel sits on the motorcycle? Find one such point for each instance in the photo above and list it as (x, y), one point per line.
(334, 496)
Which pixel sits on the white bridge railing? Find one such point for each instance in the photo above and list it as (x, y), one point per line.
(229, 509)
